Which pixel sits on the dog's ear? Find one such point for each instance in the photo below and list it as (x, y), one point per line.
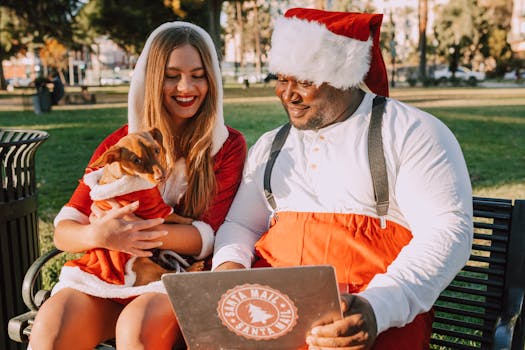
(157, 135)
(113, 154)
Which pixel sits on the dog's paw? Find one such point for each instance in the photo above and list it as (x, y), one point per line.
(196, 266)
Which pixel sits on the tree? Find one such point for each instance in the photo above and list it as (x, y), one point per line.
(12, 38)
(27, 27)
(128, 22)
(47, 18)
(115, 18)
(248, 25)
(459, 30)
(203, 13)
(499, 49)
(499, 14)
(54, 54)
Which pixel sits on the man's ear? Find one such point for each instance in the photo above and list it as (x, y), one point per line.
(113, 154)
(157, 135)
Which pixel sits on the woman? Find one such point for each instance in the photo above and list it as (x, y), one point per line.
(177, 88)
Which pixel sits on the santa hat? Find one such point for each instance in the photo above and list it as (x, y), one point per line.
(338, 48)
(138, 82)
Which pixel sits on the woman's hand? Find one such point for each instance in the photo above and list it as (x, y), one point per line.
(119, 229)
(357, 329)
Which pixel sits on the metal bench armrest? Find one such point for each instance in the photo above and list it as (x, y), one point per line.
(31, 276)
(512, 309)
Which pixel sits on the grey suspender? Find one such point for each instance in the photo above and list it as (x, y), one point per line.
(376, 159)
(278, 142)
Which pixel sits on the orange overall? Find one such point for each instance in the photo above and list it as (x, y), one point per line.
(358, 249)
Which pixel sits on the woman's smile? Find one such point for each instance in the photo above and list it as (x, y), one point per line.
(185, 101)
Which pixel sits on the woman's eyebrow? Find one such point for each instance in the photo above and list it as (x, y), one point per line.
(178, 69)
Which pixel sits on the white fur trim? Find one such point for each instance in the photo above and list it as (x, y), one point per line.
(124, 185)
(207, 238)
(74, 277)
(138, 82)
(309, 51)
(176, 184)
(70, 213)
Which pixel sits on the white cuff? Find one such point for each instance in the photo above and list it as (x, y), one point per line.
(237, 253)
(70, 213)
(207, 237)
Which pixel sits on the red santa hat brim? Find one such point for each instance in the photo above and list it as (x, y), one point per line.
(338, 48)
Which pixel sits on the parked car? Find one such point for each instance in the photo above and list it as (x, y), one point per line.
(512, 75)
(463, 74)
(20, 82)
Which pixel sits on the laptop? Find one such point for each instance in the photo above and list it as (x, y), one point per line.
(264, 308)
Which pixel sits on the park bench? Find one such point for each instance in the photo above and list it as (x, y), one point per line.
(79, 98)
(481, 309)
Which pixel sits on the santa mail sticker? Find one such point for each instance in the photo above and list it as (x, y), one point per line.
(257, 312)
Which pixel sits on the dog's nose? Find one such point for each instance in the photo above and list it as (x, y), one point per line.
(158, 175)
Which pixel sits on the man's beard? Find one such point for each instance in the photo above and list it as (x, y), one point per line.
(314, 123)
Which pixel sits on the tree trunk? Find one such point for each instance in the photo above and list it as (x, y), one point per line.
(214, 25)
(3, 83)
(256, 36)
(240, 37)
(423, 18)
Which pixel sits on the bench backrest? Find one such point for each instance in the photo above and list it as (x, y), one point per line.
(466, 313)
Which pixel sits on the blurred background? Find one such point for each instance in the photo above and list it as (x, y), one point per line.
(97, 42)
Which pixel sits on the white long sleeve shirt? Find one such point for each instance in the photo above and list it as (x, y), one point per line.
(327, 171)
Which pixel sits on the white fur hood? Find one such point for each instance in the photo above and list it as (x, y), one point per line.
(136, 89)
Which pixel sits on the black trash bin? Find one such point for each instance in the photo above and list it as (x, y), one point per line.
(18, 220)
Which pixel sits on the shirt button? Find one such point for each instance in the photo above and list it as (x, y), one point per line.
(316, 149)
(321, 137)
(313, 166)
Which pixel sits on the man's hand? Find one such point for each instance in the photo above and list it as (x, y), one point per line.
(229, 265)
(357, 329)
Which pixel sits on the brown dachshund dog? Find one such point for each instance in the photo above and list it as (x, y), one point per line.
(142, 154)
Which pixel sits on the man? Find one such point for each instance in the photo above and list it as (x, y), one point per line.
(391, 265)
(58, 87)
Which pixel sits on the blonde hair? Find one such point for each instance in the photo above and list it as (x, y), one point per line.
(195, 142)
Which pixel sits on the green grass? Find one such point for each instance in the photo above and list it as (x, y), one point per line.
(488, 123)
(492, 142)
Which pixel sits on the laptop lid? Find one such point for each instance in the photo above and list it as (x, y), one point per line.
(264, 308)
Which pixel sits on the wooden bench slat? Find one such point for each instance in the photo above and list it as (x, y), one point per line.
(485, 259)
(492, 238)
(451, 346)
(491, 226)
(490, 272)
(470, 302)
(460, 335)
(470, 291)
(438, 320)
(485, 282)
(489, 248)
(490, 316)
(492, 212)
